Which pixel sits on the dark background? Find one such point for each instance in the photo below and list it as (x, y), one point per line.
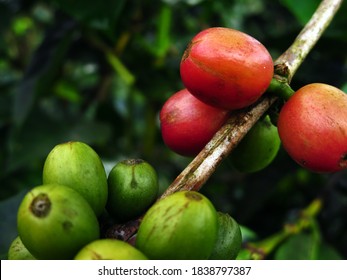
(99, 72)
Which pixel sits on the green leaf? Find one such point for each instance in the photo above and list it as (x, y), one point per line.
(91, 132)
(43, 68)
(327, 252)
(302, 10)
(8, 76)
(301, 246)
(344, 88)
(7, 10)
(67, 91)
(163, 31)
(244, 254)
(120, 68)
(247, 233)
(100, 15)
(21, 25)
(26, 148)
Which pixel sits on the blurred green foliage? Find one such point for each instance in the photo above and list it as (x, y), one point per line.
(99, 72)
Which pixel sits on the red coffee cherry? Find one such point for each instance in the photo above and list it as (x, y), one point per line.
(313, 127)
(187, 124)
(226, 68)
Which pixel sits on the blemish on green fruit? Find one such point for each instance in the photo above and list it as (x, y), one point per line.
(67, 225)
(95, 256)
(193, 196)
(41, 205)
(133, 161)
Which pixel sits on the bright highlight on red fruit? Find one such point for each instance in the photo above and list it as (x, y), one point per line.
(187, 124)
(313, 127)
(226, 68)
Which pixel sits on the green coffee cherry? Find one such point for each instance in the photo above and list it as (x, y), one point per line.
(77, 165)
(229, 239)
(18, 251)
(109, 249)
(55, 221)
(132, 189)
(180, 226)
(258, 148)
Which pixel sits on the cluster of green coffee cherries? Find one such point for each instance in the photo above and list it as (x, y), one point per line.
(60, 219)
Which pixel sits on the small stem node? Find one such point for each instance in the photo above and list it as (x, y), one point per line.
(280, 87)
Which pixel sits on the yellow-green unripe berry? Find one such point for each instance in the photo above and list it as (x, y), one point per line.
(182, 225)
(77, 165)
(258, 148)
(132, 189)
(55, 222)
(18, 251)
(229, 239)
(109, 249)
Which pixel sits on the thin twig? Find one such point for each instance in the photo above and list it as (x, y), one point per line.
(289, 62)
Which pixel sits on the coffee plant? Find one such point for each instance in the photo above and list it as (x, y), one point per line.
(181, 130)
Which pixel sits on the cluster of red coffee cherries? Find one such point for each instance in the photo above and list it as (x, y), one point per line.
(224, 70)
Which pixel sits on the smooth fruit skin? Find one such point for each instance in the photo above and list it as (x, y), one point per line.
(229, 238)
(109, 249)
(55, 222)
(258, 148)
(77, 165)
(18, 251)
(226, 68)
(313, 127)
(132, 188)
(187, 124)
(182, 226)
